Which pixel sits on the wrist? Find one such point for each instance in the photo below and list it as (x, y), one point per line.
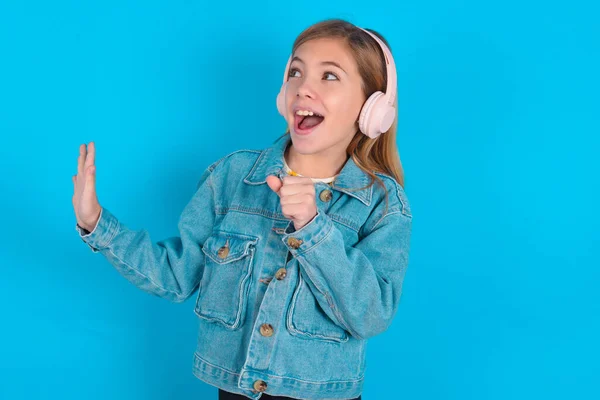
(84, 230)
(89, 227)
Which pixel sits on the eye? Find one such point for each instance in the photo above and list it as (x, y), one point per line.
(292, 71)
(331, 74)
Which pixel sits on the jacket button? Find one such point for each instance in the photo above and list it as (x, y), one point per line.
(281, 273)
(294, 243)
(223, 251)
(260, 385)
(266, 330)
(325, 195)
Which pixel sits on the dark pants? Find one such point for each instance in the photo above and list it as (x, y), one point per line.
(223, 395)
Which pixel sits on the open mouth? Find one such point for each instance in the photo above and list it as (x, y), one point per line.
(306, 121)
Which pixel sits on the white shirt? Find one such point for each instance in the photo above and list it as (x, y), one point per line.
(324, 180)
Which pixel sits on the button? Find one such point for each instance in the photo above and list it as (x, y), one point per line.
(224, 251)
(260, 385)
(281, 273)
(325, 195)
(294, 243)
(266, 330)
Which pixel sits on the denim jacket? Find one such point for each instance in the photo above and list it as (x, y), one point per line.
(281, 311)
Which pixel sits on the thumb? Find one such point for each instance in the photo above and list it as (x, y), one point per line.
(274, 183)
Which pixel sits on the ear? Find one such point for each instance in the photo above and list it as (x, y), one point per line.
(274, 183)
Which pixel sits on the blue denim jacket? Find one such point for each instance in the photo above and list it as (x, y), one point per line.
(281, 311)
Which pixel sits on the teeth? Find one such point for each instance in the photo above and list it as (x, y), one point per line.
(304, 112)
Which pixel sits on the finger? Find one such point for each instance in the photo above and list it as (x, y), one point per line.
(298, 198)
(291, 189)
(91, 155)
(291, 179)
(90, 177)
(297, 181)
(81, 159)
(291, 210)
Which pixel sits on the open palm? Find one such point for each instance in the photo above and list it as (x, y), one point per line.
(85, 201)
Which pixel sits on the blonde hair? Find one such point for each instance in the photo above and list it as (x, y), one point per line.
(370, 155)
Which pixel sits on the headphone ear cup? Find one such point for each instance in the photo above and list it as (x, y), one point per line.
(364, 120)
(376, 116)
(281, 100)
(382, 115)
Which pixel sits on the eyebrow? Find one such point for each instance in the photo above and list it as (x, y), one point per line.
(296, 58)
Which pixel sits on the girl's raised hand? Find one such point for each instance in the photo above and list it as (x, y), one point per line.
(85, 202)
(296, 197)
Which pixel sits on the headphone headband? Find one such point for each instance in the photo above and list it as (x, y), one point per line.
(390, 65)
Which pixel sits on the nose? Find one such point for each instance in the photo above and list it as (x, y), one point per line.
(305, 89)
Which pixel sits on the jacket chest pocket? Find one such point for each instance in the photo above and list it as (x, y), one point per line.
(223, 291)
(306, 318)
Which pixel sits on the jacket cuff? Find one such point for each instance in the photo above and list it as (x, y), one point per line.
(304, 239)
(100, 237)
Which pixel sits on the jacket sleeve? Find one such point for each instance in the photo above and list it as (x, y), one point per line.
(170, 268)
(358, 286)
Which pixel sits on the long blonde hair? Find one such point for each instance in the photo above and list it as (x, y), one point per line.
(370, 155)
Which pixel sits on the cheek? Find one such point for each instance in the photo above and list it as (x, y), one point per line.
(291, 91)
(290, 95)
(345, 110)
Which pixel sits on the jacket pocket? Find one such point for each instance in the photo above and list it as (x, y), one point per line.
(223, 291)
(305, 317)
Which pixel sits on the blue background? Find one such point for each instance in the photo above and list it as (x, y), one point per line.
(498, 135)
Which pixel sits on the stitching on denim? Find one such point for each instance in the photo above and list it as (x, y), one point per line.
(314, 281)
(188, 294)
(257, 163)
(405, 204)
(255, 211)
(381, 219)
(215, 366)
(213, 165)
(314, 382)
(220, 318)
(283, 378)
(230, 257)
(317, 242)
(336, 311)
(335, 308)
(343, 221)
(299, 333)
(139, 273)
(247, 252)
(212, 189)
(117, 227)
(279, 217)
(294, 330)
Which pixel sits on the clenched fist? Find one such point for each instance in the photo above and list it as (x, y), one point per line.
(297, 197)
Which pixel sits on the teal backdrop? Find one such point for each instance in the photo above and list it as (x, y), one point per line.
(498, 135)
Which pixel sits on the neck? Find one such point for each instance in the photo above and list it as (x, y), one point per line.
(319, 166)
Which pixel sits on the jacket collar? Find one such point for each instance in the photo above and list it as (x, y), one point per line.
(270, 162)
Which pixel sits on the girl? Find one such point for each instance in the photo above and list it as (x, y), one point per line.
(297, 255)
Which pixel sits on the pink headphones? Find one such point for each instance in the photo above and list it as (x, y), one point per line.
(378, 112)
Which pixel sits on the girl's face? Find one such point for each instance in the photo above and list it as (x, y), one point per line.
(324, 79)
